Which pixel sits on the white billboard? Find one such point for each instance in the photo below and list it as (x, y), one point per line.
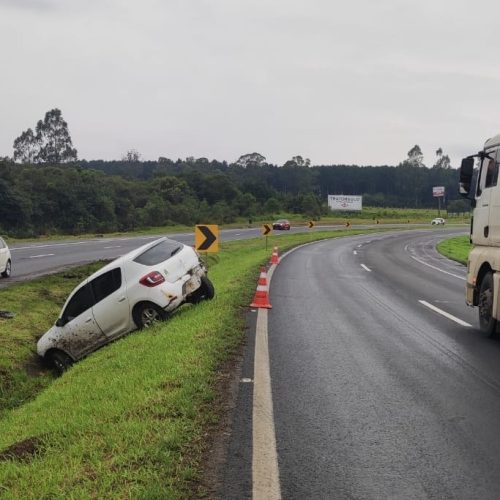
(438, 191)
(347, 203)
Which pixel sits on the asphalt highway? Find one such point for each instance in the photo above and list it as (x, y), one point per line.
(36, 259)
(382, 385)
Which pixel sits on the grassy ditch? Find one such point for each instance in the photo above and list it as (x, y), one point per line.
(456, 248)
(130, 420)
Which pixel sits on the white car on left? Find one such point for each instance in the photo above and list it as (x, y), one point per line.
(5, 259)
(132, 292)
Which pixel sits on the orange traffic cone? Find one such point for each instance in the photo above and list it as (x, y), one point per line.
(275, 259)
(261, 298)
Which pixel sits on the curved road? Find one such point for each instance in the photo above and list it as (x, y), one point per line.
(382, 386)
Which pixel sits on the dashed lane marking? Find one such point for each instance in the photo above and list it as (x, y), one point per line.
(366, 268)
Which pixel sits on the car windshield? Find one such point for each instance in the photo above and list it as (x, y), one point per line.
(159, 253)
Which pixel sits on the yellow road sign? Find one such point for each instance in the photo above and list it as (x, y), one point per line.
(267, 229)
(206, 238)
(347, 224)
(311, 224)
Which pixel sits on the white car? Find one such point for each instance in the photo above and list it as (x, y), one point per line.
(131, 292)
(5, 259)
(438, 220)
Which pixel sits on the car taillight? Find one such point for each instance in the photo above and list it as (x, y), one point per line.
(154, 278)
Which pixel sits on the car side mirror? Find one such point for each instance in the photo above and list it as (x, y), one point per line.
(466, 173)
(61, 322)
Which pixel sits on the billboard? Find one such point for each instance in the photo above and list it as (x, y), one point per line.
(347, 203)
(438, 191)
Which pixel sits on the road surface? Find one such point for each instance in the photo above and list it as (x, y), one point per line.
(382, 386)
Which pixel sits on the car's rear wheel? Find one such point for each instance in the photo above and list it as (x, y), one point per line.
(146, 314)
(487, 323)
(8, 269)
(59, 360)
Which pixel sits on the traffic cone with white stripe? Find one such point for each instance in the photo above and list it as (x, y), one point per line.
(275, 259)
(261, 298)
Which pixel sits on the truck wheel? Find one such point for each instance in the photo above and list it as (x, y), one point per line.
(487, 323)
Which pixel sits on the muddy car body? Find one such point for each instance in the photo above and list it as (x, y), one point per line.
(131, 292)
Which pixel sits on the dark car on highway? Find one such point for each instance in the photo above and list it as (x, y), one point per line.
(281, 224)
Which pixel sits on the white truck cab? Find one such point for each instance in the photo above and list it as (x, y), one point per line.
(483, 267)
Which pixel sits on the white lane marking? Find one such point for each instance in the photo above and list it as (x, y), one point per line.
(43, 255)
(116, 246)
(265, 475)
(437, 268)
(265, 471)
(366, 268)
(237, 234)
(246, 380)
(354, 252)
(46, 246)
(82, 242)
(444, 313)
(360, 245)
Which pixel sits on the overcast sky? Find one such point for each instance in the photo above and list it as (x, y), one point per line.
(356, 82)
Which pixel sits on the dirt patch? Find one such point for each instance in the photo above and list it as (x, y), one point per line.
(5, 379)
(35, 366)
(23, 450)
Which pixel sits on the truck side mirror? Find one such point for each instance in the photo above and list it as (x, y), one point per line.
(466, 173)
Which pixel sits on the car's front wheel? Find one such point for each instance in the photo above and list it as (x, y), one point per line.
(146, 314)
(8, 269)
(205, 292)
(487, 323)
(59, 360)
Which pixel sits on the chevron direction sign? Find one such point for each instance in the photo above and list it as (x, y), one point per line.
(266, 229)
(206, 238)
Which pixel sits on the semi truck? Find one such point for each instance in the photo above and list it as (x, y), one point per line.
(479, 183)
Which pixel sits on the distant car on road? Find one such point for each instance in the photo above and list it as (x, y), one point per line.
(281, 224)
(5, 259)
(438, 220)
(131, 292)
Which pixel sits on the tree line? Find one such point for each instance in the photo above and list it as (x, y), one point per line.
(45, 189)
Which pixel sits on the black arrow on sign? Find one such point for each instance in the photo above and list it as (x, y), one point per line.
(267, 229)
(209, 238)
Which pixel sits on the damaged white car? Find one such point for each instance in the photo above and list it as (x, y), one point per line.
(131, 292)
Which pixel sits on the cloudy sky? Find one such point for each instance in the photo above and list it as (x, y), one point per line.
(356, 82)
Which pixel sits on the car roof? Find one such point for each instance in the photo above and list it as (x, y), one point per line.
(128, 257)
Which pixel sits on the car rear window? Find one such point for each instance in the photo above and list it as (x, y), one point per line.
(159, 253)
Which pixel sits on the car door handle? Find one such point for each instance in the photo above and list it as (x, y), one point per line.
(121, 299)
(88, 320)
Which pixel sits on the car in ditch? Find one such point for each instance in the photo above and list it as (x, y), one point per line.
(5, 259)
(132, 292)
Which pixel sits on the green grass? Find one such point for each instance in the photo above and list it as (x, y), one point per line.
(131, 420)
(456, 248)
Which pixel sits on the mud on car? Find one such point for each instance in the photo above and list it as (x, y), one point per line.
(132, 292)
